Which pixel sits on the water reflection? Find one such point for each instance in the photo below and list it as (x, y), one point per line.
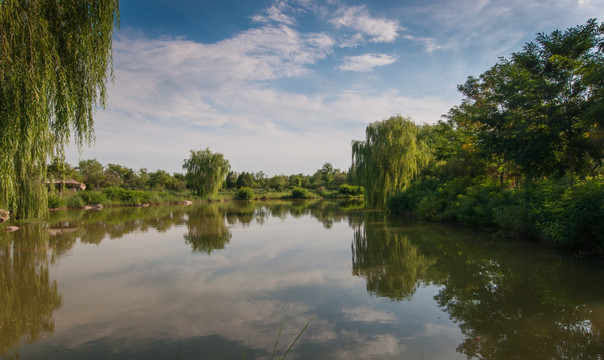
(392, 266)
(28, 297)
(207, 230)
(509, 301)
(504, 300)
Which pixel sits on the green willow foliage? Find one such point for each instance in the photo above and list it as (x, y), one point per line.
(389, 159)
(54, 60)
(206, 171)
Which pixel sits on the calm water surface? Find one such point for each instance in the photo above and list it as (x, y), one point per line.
(219, 281)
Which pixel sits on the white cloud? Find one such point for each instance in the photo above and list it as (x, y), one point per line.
(429, 43)
(366, 62)
(359, 19)
(276, 13)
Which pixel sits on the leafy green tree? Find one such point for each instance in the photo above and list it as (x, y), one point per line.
(391, 156)
(59, 169)
(231, 180)
(245, 179)
(206, 171)
(160, 180)
(118, 175)
(278, 182)
(92, 172)
(55, 58)
(539, 111)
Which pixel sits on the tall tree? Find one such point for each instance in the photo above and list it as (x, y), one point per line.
(55, 56)
(541, 110)
(389, 158)
(206, 171)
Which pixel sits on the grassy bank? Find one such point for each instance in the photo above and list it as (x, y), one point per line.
(116, 196)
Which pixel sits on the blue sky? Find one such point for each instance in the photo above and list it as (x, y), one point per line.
(283, 86)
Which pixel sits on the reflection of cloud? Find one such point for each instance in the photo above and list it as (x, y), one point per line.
(159, 291)
(367, 315)
(371, 347)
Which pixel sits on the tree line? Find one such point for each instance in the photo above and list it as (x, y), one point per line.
(205, 174)
(522, 153)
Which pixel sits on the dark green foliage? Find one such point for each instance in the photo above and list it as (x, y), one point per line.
(576, 218)
(350, 190)
(129, 197)
(245, 179)
(75, 202)
(300, 193)
(55, 201)
(93, 197)
(244, 193)
(571, 217)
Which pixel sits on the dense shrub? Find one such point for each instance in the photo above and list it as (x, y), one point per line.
(244, 193)
(55, 201)
(350, 190)
(130, 197)
(571, 217)
(300, 193)
(93, 197)
(75, 202)
(575, 218)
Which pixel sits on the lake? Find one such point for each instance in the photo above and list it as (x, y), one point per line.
(227, 280)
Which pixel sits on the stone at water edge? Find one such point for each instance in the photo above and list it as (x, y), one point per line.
(4, 215)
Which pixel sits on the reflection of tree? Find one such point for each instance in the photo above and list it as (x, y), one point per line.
(520, 307)
(28, 296)
(207, 230)
(390, 263)
(511, 302)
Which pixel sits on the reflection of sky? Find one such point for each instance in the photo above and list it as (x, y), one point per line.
(147, 290)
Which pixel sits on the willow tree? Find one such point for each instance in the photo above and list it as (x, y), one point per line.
(55, 57)
(389, 158)
(206, 171)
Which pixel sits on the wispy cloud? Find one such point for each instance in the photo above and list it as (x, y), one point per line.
(366, 62)
(359, 19)
(278, 12)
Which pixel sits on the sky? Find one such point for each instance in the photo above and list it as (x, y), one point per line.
(284, 86)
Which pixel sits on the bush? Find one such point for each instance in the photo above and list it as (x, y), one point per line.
(55, 201)
(576, 218)
(93, 197)
(244, 193)
(350, 190)
(114, 193)
(75, 202)
(300, 193)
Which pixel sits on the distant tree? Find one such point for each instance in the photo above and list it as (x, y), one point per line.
(142, 179)
(245, 179)
(160, 180)
(231, 180)
(278, 182)
(179, 182)
(206, 171)
(118, 175)
(61, 170)
(92, 172)
(261, 180)
(389, 158)
(55, 56)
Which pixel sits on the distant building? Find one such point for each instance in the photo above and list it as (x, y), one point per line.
(67, 184)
